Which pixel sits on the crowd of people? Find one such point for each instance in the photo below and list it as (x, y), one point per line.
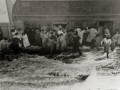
(58, 41)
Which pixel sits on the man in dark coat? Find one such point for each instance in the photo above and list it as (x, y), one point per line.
(76, 43)
(33, 35)
(16, 44)
(38, 39)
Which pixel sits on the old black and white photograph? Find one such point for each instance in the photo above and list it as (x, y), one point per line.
(59, 44)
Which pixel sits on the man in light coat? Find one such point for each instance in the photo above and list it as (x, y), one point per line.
(92, 34)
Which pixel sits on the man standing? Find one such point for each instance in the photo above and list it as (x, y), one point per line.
(91, 36)
(76, 43)
(4, 47)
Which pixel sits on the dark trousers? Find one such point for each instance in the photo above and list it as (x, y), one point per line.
(16, 49)
(92, 44)
(106, 49)
(4, 53)
(88, 43)
(76, 49)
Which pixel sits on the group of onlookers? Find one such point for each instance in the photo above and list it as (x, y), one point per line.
(54, 41)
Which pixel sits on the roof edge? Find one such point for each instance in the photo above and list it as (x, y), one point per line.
(64, 0)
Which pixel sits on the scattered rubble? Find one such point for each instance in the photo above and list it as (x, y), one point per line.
(82, 77)
(37, 71)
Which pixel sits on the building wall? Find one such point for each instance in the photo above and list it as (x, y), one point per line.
(10, 8)
(6, 27)
(78, 13)
(75, 7)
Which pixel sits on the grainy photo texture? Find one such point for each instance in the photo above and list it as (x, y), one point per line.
(59, 44)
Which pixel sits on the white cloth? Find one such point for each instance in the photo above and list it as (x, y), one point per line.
(25, 41)
(92, 34)
(78, 30)
(81, 36)
(106, 42)
(60, 32)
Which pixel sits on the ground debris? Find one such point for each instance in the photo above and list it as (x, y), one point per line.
(99, 59)
(68, 58)
(33, 64)
(41, 71)
(82, 77)
(113, 65)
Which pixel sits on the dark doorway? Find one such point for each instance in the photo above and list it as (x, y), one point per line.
(117, 26)
(108, 24)
(59, 26)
